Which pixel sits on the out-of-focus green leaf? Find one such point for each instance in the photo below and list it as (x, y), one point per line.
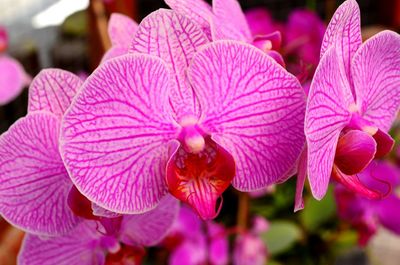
(344, 241)
(75, 25)
(281, 236)
(317, 213)
(273, 262)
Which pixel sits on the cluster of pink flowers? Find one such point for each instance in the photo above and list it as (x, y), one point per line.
(185, 104)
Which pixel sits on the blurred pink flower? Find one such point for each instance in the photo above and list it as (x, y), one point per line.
(366, 215)
(249, 248)
(13, 77)
(195, 242)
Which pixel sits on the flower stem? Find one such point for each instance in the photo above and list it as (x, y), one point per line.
(243, 211)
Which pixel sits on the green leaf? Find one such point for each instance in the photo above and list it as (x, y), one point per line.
(281, 236)
(316, 213)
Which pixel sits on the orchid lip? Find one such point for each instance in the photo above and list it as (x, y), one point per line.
(199, 178)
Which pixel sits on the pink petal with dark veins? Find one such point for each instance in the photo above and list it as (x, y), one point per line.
(80, 247)
(344, 33)
(175, 39)
(376, 75)
(115, 135)
(53, 90)
(148, 229)
(229, 22)
(197, 10)
(252, 107)
(121, 29)
(326, 115)
(34, 184)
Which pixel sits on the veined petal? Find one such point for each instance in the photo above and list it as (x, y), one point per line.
(300, 181)
(101, 212)
(79, 247)
(121, 29)
(115, 51)
(355, 150)
(344, 33)
(34, 184)
(326, 115)
(150, 228)
(12, 79)
(114, 137)
(53, 90)
(174, 38)
(376, 75)
(197, 10)
(224, 27)
(251, 107)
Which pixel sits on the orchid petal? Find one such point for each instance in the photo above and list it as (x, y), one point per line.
(301, 178)
(115, 51)
(277, 57)
(121, 29)
(344, 33)
(188, 223)
(197, 10)
(34, 184)
(226, 28)
(80, 247)
(376, 74)
(251, 107)
(326, 115)
(114, 137)
(218, 248)
(260, 21)
(354, 151)
(150, 228)
(12, 79)
(190, 252)
(384, 143)
(53, 90)
(174, 38)
(101, 212)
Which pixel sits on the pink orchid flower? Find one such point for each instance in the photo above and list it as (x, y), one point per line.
(366, 215)
(217, 23)
(353, 100)
(13, 77)
(118, 240)
(190, 118)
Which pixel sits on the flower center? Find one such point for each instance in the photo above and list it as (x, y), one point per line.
(199, 172)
